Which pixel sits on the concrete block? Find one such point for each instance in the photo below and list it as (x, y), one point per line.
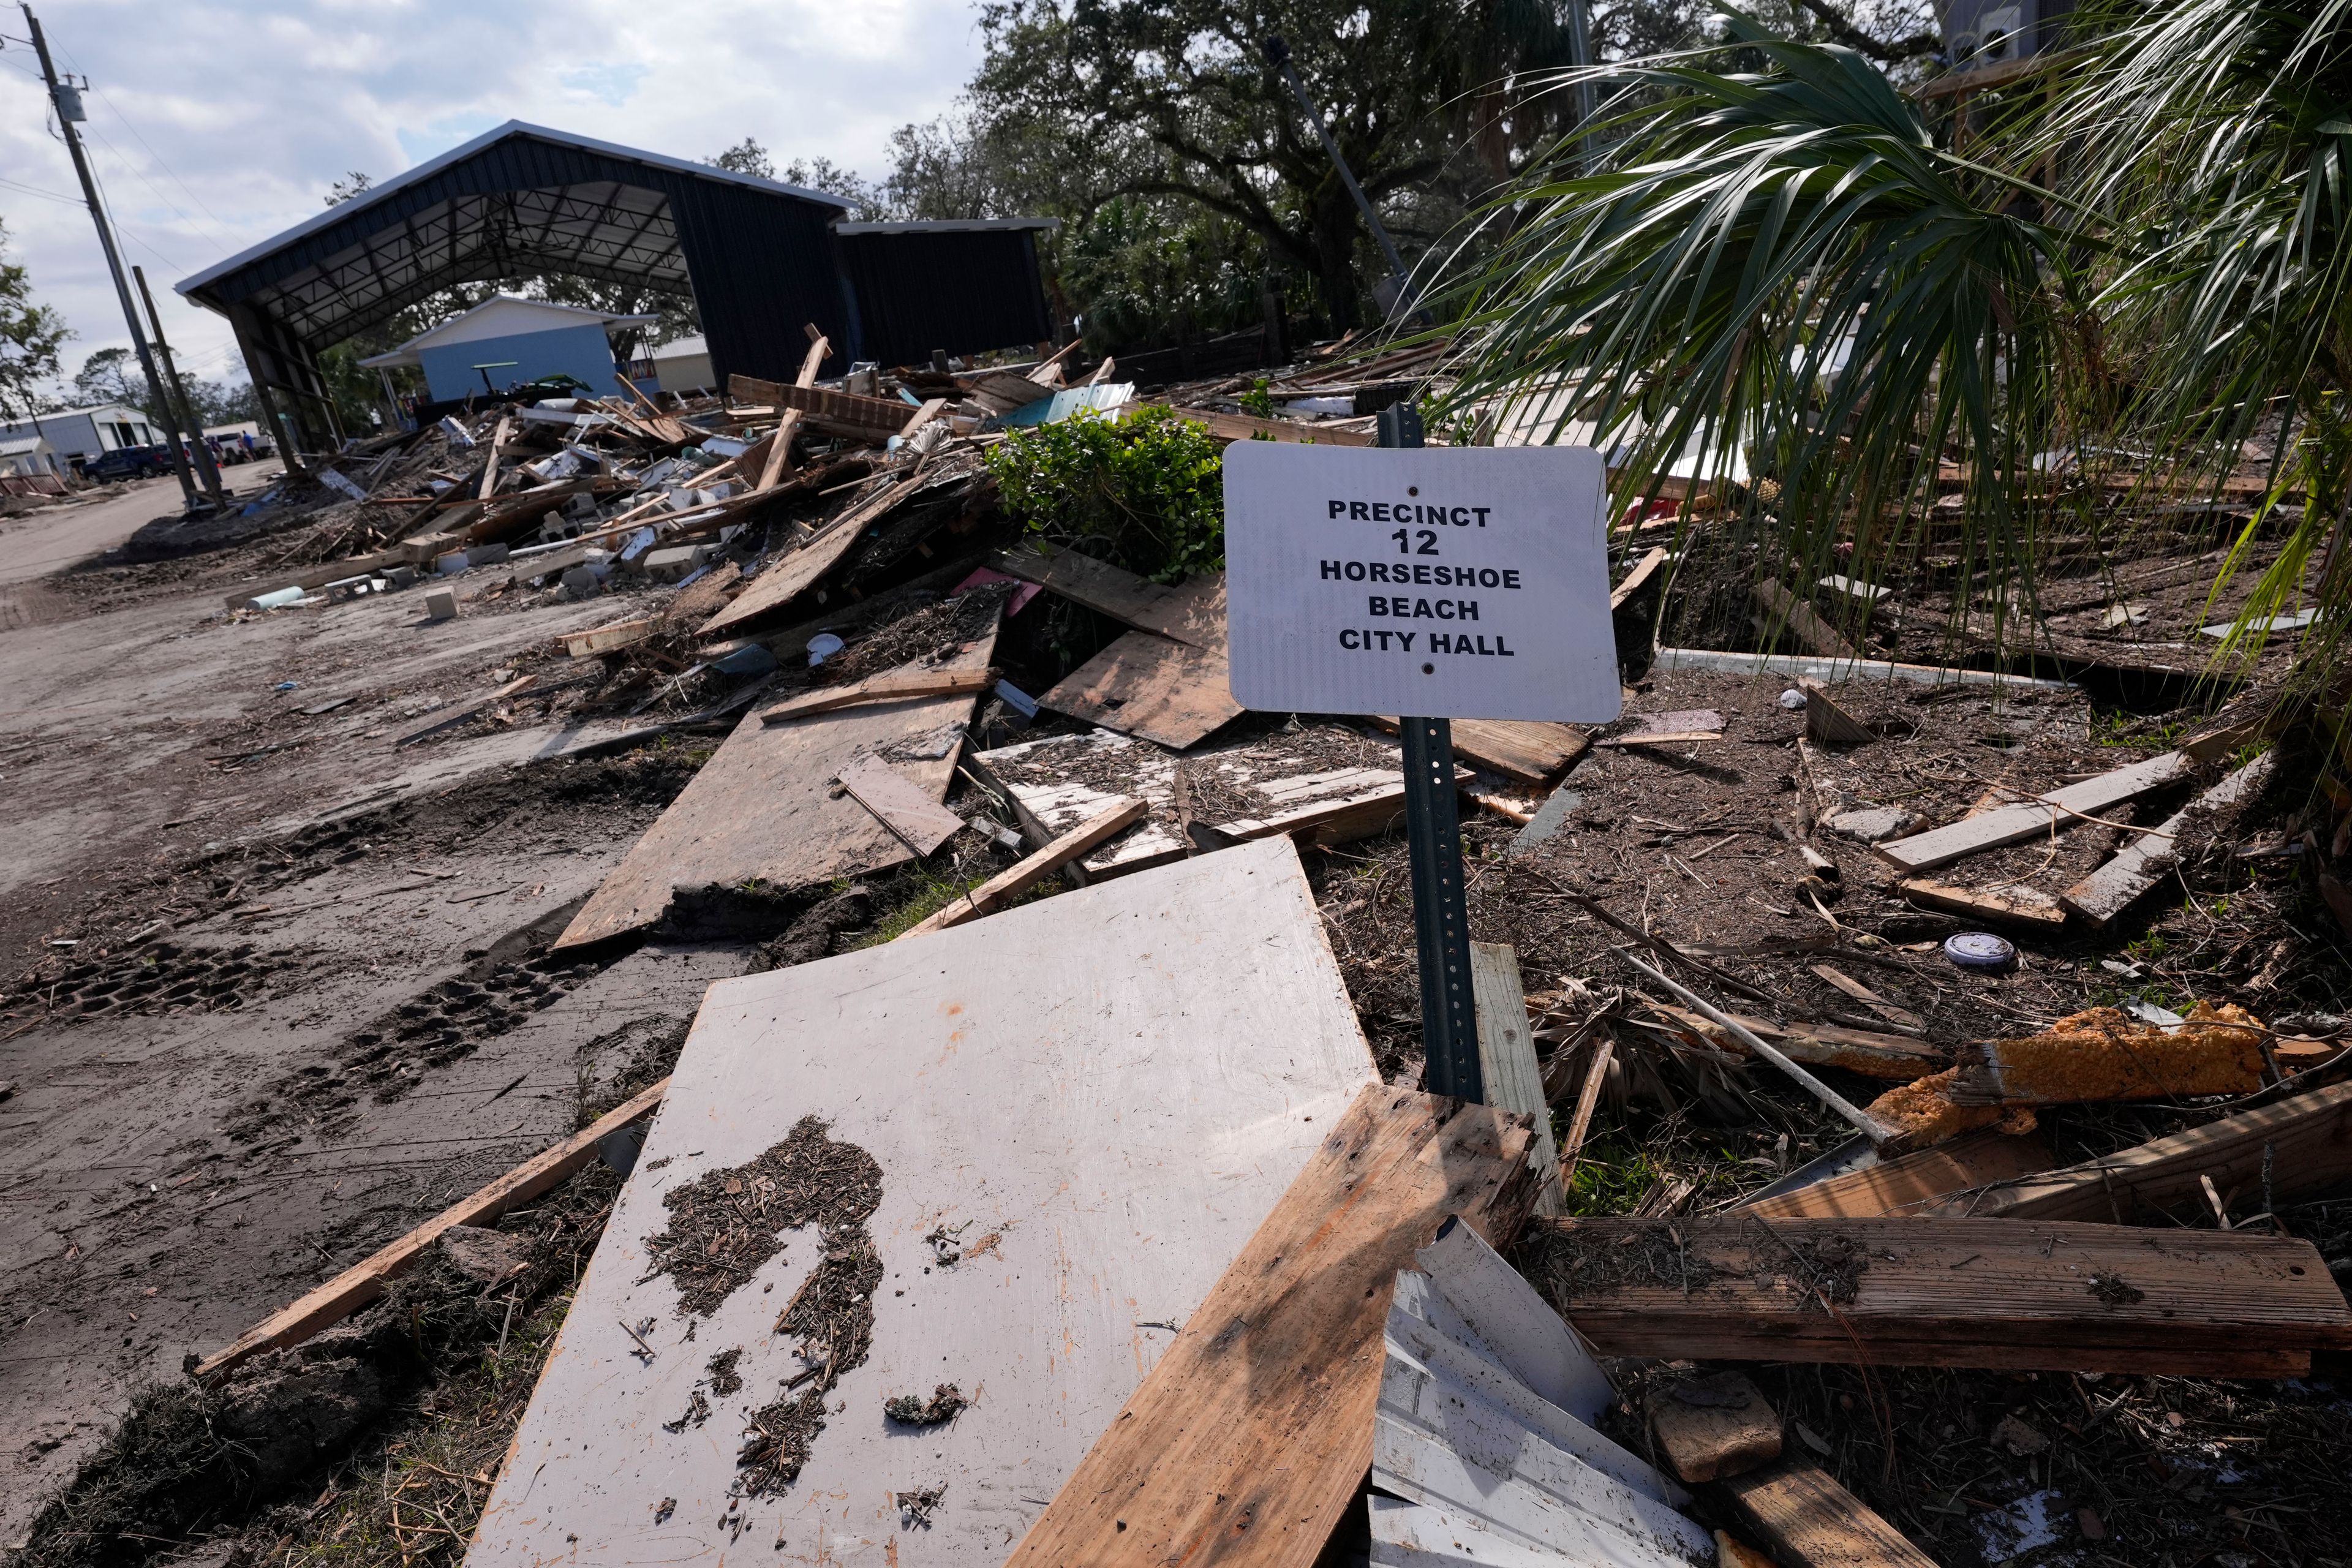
(670, 565)
(486, 554)
(400, 576)
(582, 583)
(441, 605)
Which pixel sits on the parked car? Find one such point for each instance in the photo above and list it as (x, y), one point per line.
(128, 463)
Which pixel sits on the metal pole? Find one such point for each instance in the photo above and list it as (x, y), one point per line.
(1441, 916)
(68, 107)
(1579, 43)
(1277, 53)
(205, 464)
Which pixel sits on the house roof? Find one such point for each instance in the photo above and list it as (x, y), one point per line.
(501, 315)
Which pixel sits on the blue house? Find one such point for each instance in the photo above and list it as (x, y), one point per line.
(505, 340)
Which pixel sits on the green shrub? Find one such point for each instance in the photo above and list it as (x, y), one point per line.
(1144, 490)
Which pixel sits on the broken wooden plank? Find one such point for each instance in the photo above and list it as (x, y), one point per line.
(1031, 870)
(1828, 723)
(1588, 1101)
(1506, 1057)
(1248, 427)
(1808, 1520)
(2018, 906)
(1090, 1154)
(1638, 578)
(453, 717)
(1901, 1018)
(1531, 750)
(1147, 685)
(801, 569)
(900, 805)
(1782, 608)
(2054, 811)
(1056, 782)
(2302, 1144)
(763, 810)
(1920, 1182)
(604, 639)
(844, 412)
(2106, 892)
(1192, 612)
(491, 463)
(1258, 1420)
(892, 686)
(1897, 1058)
(1661, 738)
(777, 457)
(1992, 1293)
(364, 1282)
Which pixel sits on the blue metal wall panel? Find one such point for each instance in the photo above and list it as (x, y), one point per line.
(582, 353)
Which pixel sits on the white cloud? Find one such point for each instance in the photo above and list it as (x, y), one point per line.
(213, 127)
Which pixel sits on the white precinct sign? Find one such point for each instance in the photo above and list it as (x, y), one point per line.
(1435, 582)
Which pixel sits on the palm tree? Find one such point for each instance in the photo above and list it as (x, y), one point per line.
(2142, 256)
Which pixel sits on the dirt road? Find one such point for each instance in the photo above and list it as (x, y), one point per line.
(280, 1001)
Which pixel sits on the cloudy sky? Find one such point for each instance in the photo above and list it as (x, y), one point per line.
(214, 126)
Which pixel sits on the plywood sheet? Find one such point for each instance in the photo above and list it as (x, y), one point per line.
(1101, 1094)
(798, 572)
(1147, 685)
(763, 809)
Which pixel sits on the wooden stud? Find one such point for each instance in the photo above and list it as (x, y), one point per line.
(1506, 1057)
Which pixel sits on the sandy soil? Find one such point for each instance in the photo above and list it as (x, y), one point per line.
(198, 1127)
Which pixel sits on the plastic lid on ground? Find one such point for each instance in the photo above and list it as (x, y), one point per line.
(823, 646)
(1980, 950)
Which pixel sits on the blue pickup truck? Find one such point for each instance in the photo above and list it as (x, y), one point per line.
(128, 463)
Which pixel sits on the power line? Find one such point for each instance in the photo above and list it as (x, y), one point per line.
(160, 161)
(36, 191)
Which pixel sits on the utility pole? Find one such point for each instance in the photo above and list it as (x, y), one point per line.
(196, 443)
(66, 99)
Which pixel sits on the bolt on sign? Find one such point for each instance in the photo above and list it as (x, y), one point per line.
(1444, 582)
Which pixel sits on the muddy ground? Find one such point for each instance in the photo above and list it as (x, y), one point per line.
(282, 993)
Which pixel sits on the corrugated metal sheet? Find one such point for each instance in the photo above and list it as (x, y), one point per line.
(961, 290)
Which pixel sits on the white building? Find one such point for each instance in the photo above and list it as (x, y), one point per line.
(22, 457)
(81, 433)
(682, 365)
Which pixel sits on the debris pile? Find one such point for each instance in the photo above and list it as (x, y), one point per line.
(1055, 1185)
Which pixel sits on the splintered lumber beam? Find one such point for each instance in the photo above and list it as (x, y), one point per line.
(604, 639)
(1532, 751)
(2014, 823)
(1921, 1181)
(1507, 1056)
(1185, 613)
(846, 413)
(363, 1283)
(779, 443)
(802, 566)
(1808, 1520)
(1827, 722)
(2304, 1139)
(1643, 570)
(491, 463)
(2106, 892)
(2025, 1295)
(1248, 1440)
(893, 686)
(1248, 427)
(1027, 872)
(2019, 906)
(1782, 608)
(1898, 1058)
